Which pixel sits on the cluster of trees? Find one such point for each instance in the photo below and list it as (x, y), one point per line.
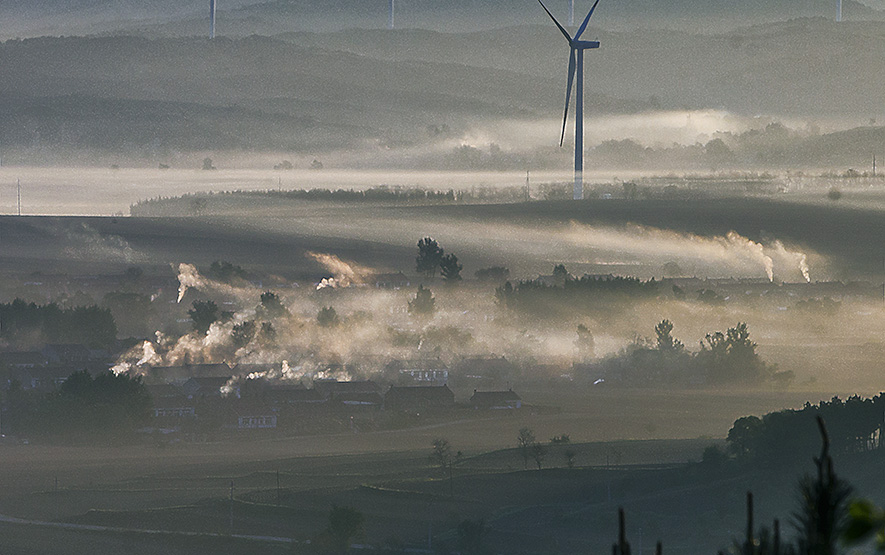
(855, 425)
(424, 304)
(205, 313)
(432, 258)
(107, 407)
(29, 322)
(724, 358)
(588, 293)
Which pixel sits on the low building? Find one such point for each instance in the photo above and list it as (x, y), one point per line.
(204, 388)
(496, 400)
(332, 389)
(418, 371)
(419, 398)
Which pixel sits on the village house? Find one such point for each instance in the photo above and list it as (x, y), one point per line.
(419, 398)
(419, 371)
(495, 400)
(170, 405)
(204, 388)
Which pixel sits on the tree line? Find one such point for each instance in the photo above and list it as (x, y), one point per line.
(89, 325)
(588, 293)
(108, 407)
(724, 358)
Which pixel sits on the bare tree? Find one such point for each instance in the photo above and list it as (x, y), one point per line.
(444, 457)
(524, 442)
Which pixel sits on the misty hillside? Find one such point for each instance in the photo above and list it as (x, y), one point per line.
(237, 79)
(158, 128)
(799, 67)
(244, 17)
(332, 91)
(459, 15)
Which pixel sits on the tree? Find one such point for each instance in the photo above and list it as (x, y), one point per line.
(327, 317)
(423, 305)
(430, 255)
(271, 306)
(823, 504)
(207, 164)
(539, 453)
(345, 524)
(834, 194)
(450, 269)
(570, 457)
(203, 315)
(584, 343)
(443, 457)
(267, 335)
(666, 343)
(524, 441)
(560, 275)
(865, 521)
(243, 333)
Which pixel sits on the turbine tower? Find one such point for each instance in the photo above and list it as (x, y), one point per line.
(211, 19)
(390, 14)
(576, 63)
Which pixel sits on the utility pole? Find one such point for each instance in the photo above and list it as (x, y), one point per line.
(279, 493)
(528, 190)
(19, 187)
(874, 164)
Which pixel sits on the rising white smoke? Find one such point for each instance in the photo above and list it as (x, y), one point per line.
(344, 274)
(188, 277)
(731, 254)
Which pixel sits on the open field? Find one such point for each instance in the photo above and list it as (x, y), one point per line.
(389, 478)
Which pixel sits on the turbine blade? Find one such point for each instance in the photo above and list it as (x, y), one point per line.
(561, 28)
(568, 92)
(586, 20)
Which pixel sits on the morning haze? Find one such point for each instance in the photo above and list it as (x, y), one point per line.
(327, 282)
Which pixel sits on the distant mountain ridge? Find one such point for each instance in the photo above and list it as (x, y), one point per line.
(243, 17)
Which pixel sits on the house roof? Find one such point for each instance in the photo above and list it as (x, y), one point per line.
(208, 384)
(162, 391)
(296, 395)
(184, 372)
(426, 392)
(334, 387)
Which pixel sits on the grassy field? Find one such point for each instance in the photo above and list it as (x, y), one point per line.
(623, 457)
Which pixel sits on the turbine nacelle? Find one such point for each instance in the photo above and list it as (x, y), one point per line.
(585, 44)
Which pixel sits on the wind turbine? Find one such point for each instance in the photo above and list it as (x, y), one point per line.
(576, 62)
(211, 19)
